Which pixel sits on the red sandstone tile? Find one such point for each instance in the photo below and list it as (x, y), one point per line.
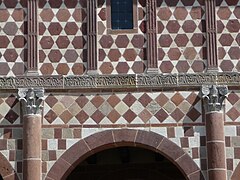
(3, 144)
(237, 153)
(230, 164)
(129, 116)
(57, 133)
(122, 41)
(52, 155)
(113, 100)
(195, 153)
(44, 167)
(184, 142)
(97, 101)
(77, 133)
(61, 144)
(170, 132)
(44, 144)
(7, 133)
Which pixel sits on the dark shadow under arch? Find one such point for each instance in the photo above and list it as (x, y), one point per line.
(124, 137)
(6, 170)
(236, 173)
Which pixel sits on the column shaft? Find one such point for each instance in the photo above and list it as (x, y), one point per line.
(151, 37)
(216, 156)
(32, 162)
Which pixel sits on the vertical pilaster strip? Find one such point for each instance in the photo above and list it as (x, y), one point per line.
(31, 100)
(215, 139)
(211, 28)
(32, 61)
(91, 37)
(152, 66)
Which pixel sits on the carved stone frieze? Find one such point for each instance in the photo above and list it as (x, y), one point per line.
(100, 81)
(214, 96)
(31, 100)
(121, 81)
(157, 80)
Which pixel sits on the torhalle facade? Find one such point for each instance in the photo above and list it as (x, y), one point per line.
(120, 89)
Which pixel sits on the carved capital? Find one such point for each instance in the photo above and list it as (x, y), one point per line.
(31, 100)
(214, 96)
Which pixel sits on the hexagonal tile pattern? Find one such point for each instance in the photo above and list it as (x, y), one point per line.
(13, 37)
(228, 24)
(181, 36)
(123, 108)
(121, 53)
(62, 30)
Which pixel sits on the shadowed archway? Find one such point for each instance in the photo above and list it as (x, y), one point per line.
(6, 170)
(119, 138)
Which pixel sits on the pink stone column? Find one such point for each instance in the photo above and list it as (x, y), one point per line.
(214, 96)
(216, 156)
(31, 102)
(32, 162)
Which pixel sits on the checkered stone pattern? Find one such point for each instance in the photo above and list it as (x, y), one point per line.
(232, 139)
(181, 36)
(123, 108)
(13, 30)
(228, 27)
(232, 105)
(9, 109)
(11, 146)
(62, 37)
(123, 53)
(55, 141)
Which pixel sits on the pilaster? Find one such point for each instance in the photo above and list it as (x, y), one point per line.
(32, 40)
(213, 97)
(152, 66)
(91, 37)
(211, 28)
(31, 102)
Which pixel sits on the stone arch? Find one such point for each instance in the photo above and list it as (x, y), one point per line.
(124, 137)
(6, 170)
(236, 173)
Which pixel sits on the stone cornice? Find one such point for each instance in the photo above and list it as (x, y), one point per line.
(121, 81)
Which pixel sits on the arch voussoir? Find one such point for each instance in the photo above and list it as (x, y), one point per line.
(124, 137)
(6, 170)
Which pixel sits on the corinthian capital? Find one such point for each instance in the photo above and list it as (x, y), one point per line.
(214, 96)
(31, 100)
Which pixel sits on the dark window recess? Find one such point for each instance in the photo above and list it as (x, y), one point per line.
(122, 14)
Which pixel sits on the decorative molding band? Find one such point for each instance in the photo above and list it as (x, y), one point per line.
(121, 81)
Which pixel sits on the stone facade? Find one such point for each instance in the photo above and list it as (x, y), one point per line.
(71, 86)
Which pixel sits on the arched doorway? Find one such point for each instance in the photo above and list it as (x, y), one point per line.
(121, 138)
(126, 163)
